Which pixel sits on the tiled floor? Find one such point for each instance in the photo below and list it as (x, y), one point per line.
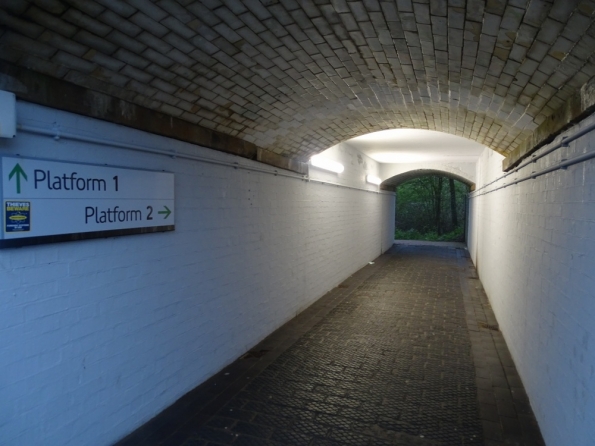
(404, 352)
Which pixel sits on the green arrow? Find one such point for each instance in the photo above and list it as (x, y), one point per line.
(166, 212)
(18, 171)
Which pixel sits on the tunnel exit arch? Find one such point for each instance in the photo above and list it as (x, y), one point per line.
(394, 181)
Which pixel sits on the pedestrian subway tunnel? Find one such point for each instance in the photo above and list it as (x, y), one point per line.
(430, 205)
(99, 335)
(399, 353)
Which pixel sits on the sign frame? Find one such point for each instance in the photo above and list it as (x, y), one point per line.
(21, 219)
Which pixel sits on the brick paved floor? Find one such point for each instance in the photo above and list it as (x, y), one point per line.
(404, 352)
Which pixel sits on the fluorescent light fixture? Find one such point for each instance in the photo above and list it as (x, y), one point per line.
(8, 115)
(372, 179)
(326, 164)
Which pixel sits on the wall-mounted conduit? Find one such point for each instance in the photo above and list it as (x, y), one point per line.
(560, 166)
(57, 135)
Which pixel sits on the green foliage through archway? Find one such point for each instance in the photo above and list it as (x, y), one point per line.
(431, 208)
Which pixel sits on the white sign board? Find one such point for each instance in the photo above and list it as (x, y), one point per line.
(49, 198)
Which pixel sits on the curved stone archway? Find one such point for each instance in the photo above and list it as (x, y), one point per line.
(392, 182)
(396, 174)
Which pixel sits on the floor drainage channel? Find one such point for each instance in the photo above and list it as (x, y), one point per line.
(488, 326)
(255, 354)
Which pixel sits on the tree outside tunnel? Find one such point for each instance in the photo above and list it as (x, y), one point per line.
(431, 207)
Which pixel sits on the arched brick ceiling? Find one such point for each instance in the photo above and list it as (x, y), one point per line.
(298, 76)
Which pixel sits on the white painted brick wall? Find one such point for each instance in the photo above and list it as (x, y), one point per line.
(98, 336)
(534, 246)
(357, 165)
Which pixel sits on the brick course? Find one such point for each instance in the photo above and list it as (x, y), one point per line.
(98, 336)
(440, 65)
(534, 246)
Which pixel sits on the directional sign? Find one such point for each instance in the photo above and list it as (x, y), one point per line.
(167, 212)
(42, 199)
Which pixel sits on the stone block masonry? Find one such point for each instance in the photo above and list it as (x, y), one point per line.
(98, 336)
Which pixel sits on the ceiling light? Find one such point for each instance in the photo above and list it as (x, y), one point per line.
(326, 164)
(8, 115)
(372, 179)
